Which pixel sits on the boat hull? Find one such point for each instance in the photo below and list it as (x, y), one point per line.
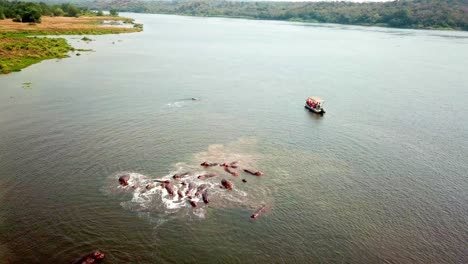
(321, 111)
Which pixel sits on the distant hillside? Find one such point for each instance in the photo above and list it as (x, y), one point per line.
(428, 14)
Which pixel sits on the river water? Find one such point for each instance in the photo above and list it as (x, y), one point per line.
(380, 178)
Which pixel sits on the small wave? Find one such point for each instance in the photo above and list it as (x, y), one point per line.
(175, 104)
(181, 102)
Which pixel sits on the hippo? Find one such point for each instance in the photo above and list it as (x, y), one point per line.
(234, 164)
(193, 203)
(233, 173)
(123, 180)
(206, 176)
(93, 257)
(205, 197)
(190, 188)
(258, 212)
(200, 189)
(169, 188)
(162, 181)
(230, 165)
(149, 186)
(180, 193)
(226, 184)
(255, 173)
(206, 164)
(180, 176)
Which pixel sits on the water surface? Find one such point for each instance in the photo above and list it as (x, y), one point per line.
(381, 178)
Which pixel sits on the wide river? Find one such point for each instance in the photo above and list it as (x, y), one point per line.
(380, 178)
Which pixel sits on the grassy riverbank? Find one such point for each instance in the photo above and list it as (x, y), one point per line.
(19, 47)
(17, 53)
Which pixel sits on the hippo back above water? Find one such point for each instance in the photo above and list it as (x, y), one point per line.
(123, 180)
(93, 257)
(226, 184)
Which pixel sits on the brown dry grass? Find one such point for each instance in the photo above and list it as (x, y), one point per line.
(65, 25)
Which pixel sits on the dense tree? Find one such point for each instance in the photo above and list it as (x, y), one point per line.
(30, 12)
(71, 10)
(402, 14)
(59, 12)
(113, 12)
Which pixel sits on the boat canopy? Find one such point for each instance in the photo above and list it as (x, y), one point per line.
(315, 98)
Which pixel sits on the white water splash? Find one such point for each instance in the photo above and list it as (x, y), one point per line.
(158, 198)
(155, 201)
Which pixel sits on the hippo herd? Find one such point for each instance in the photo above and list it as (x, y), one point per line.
(90, 258)
(192, 189)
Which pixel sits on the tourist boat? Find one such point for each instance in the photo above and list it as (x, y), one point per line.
(315, 105)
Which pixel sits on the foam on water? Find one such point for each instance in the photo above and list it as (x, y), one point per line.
(157, 200)
(181, 102)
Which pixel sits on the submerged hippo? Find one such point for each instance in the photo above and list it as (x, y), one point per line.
(206, 164)
(193, 203)
(200, 189)
(93, 257)
(180, 193)
(234, 163)
(258, 212)
(206, 176)
(233, 173)
(123, 180)
(227, 184)
(169, 188)
(180, 176)
(205, 197)
(191, 187)
(255, 173)
(162, 181)
(229, 165)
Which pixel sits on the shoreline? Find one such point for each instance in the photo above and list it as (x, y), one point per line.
(305, 21)
(25, 44)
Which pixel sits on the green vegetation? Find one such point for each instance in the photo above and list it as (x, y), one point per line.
(19, 44)
(31, 12)
(429, 14)
(113, 12)
(18, 53)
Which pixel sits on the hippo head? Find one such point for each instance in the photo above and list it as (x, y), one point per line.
(123, 180)
(97, 255)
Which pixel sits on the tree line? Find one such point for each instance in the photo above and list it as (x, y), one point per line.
(31, 12)
(440, 14)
